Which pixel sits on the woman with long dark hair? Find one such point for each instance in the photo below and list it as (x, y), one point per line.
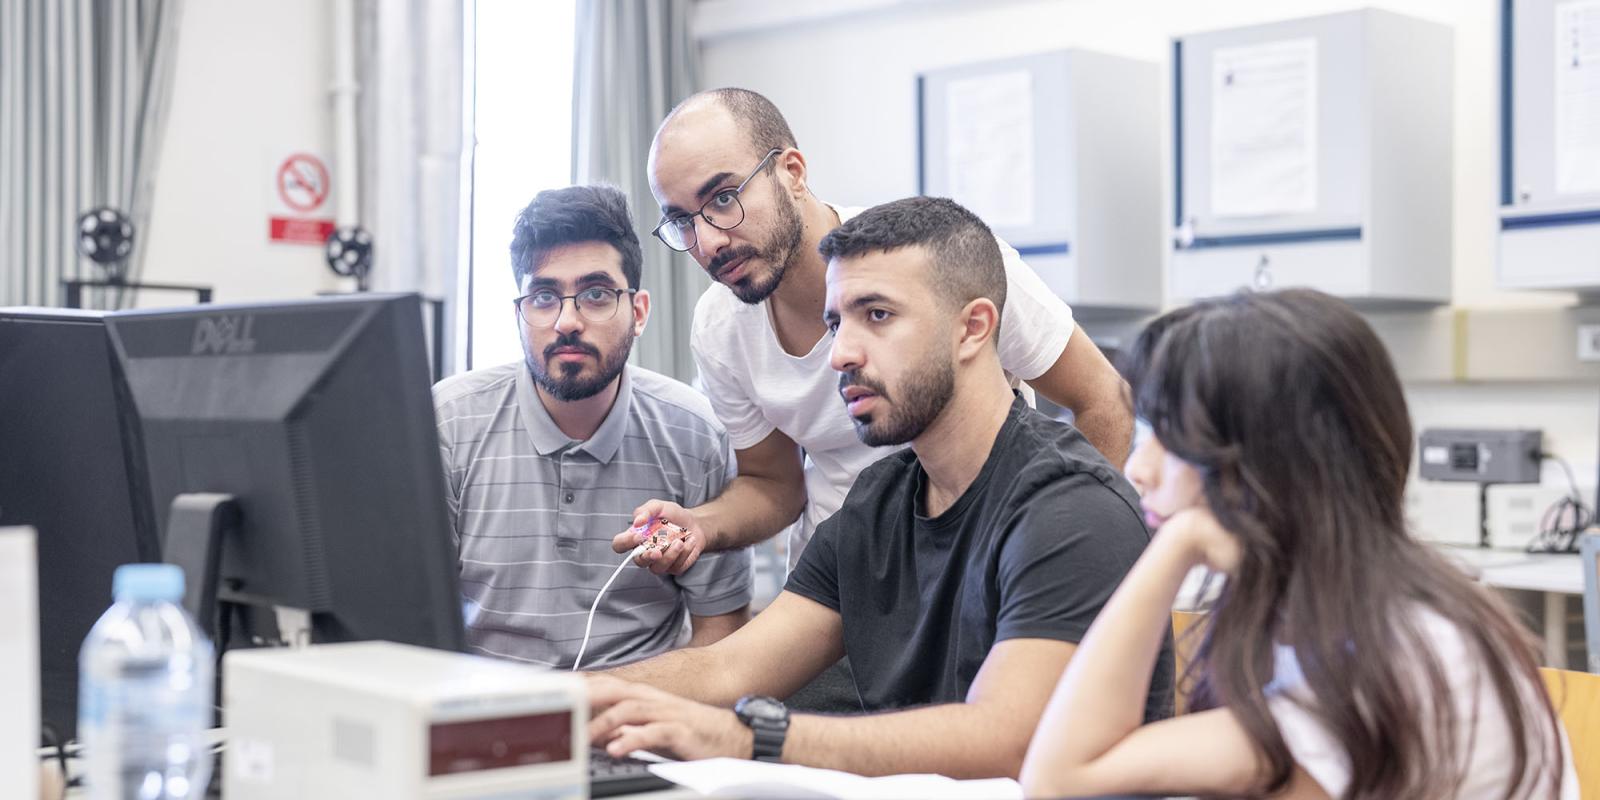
(1343, 659)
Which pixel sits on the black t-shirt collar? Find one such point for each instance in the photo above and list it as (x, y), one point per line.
(953, 514)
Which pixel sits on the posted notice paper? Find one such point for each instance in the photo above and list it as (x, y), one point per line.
(1264, 129)
(1577, 97)
(989, 146)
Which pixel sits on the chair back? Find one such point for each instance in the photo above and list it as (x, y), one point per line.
(1576, 696)
(1589, 551)
(1184, 645)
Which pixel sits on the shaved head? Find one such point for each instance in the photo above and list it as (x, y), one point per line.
(761, 125)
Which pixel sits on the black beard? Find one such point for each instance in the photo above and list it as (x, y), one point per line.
(927, 390)
(785, 242)
(571, 385)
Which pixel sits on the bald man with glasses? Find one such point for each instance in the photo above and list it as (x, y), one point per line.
(547, 457)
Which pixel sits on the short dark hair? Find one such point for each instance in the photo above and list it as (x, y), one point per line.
(763, 124)
(572, 215)
(964, 256)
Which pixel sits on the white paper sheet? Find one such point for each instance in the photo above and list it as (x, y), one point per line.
(989, 146)
(735, 777)
(1264, 129)
(19, 662)
(1577, 97)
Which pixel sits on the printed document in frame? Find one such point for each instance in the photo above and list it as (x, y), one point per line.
(989, 150)
(1264, 129)
(1577, 97)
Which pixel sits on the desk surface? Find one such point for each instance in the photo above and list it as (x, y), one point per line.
(1557, 573)
(52, 782)
(1560, 573)
(677, 793)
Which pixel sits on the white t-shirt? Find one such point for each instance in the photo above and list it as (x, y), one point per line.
(1483, 737)
(756, 387)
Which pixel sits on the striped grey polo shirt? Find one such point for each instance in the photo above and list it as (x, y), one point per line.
(533, 514)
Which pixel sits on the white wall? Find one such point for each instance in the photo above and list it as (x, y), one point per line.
(847, 86)
(251, 86)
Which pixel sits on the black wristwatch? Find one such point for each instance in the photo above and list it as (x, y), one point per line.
(769, 720)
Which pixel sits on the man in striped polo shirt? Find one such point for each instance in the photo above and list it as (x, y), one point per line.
(545, 459)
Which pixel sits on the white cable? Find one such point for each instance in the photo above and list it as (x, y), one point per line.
(588, 626)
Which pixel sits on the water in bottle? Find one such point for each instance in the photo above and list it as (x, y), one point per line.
(145, 690)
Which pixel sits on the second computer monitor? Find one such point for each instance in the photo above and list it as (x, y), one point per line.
(316, 420)
(65, 456)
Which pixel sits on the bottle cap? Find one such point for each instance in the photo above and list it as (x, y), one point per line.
(147, 582)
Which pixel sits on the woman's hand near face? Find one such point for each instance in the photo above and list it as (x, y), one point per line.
(1200, 536)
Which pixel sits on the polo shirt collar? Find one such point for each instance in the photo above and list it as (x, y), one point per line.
(548, 439)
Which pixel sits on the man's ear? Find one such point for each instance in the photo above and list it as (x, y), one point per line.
(641, 311)
(980, 324)
(792, 168)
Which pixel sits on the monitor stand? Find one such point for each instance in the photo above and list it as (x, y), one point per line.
(195, 530)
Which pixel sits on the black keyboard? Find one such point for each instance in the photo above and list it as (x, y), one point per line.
(609, 777)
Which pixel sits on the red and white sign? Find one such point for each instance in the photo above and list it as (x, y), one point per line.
(301, 185)
(300, 231)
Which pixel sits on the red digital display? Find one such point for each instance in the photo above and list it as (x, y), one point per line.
(482, 744)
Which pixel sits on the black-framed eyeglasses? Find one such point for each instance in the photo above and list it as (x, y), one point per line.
(723, 211)
(542, 307)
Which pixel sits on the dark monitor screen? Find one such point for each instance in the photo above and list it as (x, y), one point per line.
(316, 419)
(64, 469)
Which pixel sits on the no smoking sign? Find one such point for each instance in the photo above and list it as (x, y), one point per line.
(301, 186)
(303, 182)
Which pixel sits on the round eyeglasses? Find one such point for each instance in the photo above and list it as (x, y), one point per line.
(542, 308)
(722, 211)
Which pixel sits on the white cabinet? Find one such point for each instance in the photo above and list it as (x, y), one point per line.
(1315, 152)
(1060, 154)
(1550, 144)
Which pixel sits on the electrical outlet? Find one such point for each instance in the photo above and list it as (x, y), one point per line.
(1589, 342)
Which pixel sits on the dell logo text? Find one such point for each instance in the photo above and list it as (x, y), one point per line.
(217, 336)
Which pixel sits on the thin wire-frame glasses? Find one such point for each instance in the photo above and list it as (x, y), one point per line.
(723, 211)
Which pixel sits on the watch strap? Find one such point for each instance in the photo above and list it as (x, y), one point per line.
(769, 737)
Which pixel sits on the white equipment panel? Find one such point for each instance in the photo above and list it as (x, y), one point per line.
(377, 719)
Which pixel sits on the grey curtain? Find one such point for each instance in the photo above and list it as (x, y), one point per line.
(410, 133)
(84, 90)
(635, 60)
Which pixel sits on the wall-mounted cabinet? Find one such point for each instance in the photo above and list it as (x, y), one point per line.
(1550, 145)
(1060, 154)
(1315, 152)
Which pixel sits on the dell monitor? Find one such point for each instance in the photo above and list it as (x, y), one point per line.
(65, 458)
(291, 457)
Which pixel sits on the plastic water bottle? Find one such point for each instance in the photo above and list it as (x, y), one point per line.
(145, 692)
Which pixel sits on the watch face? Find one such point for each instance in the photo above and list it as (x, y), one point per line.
(762, 708)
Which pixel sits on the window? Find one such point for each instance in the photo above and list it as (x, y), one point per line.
(522, 117)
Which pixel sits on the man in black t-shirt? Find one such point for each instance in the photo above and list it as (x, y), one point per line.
(959, 574)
